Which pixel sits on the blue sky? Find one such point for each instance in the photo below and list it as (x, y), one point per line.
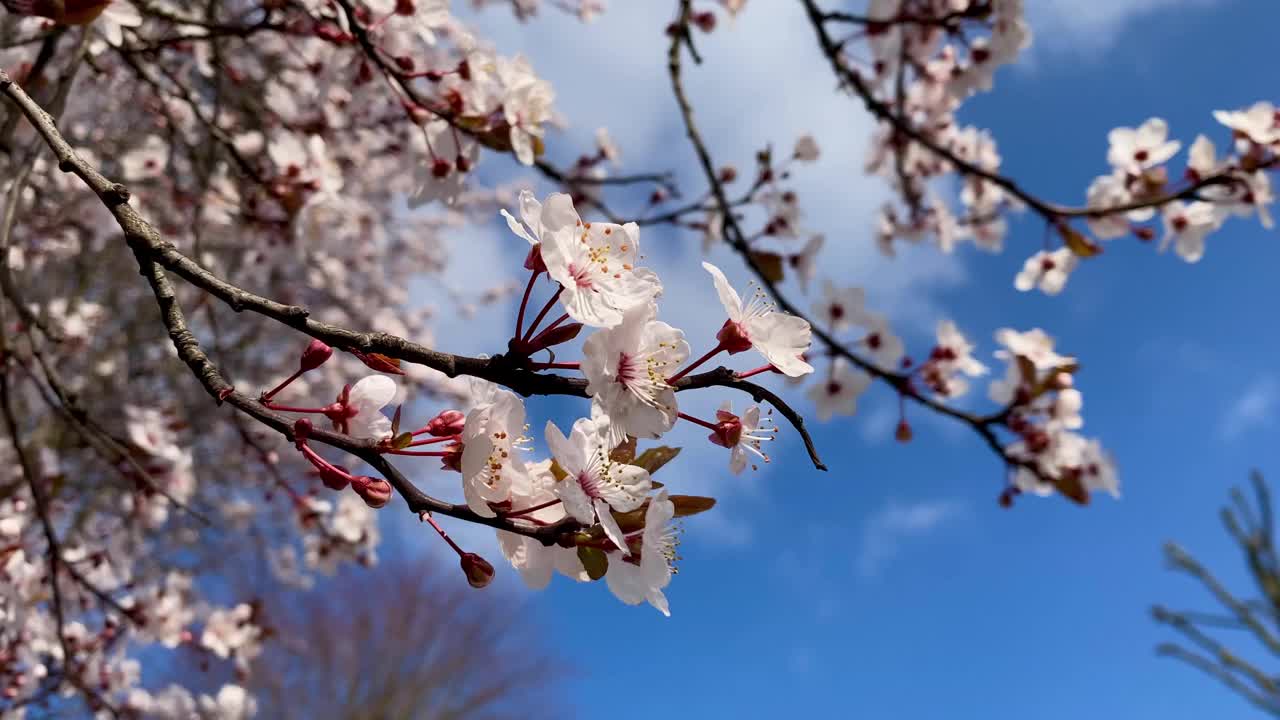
(893, 586)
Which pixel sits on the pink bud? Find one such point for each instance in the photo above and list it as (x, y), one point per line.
(316, 354)
(479, 571)
(733, 337)
(448, 422)
(375, 492)
(335, 478)
(556, 336)
(301, 431)
(903, 433)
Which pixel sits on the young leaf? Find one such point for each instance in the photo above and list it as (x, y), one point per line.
(626, 452)
(1077, 243)
(379, 362)
(687, 505)
(656, 457)
(557, 471)
(770, 264)
(594, 561)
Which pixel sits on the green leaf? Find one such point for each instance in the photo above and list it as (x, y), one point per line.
(402, 441)
(594, 561)
(687, 505)
(395, 421)
(655, 457)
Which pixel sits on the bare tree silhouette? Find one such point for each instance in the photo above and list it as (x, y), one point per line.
(404, 641)
(1218, 643)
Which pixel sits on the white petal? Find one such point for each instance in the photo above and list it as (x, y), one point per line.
(728, 296)
(517, 228)
(373, 392)
(610, 526)
(570, 457)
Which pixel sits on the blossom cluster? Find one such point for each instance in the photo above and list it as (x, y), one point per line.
(321, 154)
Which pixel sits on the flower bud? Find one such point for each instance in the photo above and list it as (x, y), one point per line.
(334, 478)
(903, 433)
(556, 336)
(448, 422)
(301, 431)
(375, 492)
(479, 571)
(316, 354)
(706, 21)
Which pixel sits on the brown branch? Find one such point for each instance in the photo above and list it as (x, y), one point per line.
(984, 425)
(1051, 212)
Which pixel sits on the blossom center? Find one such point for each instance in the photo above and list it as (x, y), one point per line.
(581, 276)
(590, 484)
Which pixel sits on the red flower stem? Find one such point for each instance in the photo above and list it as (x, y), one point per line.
(432, 521)
(697, 421)
(551, 327)
(429, 441)
(321, 463)
(545, 309)
(710, 354)
(535, 508)
(524, 302)
(425, 453)
(556, 366)
(266, 397)
(288, 408)
(757, 371)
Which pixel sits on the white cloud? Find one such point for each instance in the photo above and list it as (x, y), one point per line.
(1091, 25)
(1255, 407)
(891, 525)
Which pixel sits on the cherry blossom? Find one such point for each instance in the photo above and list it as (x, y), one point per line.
(1257, 123)
(1047, 271)
(595, 263)
(839, 394)
(842, 308)
(627, 369)
(780, 337)
(595, 484)
(535, 561)
(1136, 149)
(490, 448)
(741, 434)
(232, 632)
(358, 410)
(643, 574)
(1185, 227)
